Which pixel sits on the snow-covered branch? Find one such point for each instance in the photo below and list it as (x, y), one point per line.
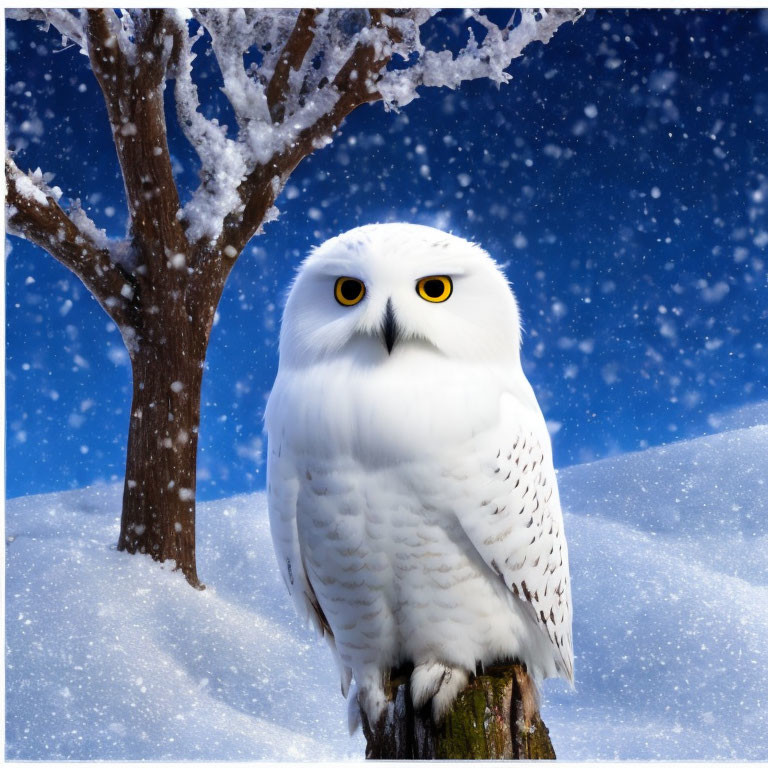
(488, 59)
(222, 161)
(283, 82)
(291, 89)
(348, 66)
(311, 68)
(67, 23)
(33, 212)
(130, 57)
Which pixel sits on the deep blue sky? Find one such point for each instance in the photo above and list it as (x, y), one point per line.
(621, 178)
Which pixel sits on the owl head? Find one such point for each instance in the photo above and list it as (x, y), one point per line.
(384, 290)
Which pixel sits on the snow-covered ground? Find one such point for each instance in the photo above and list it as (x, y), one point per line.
(114, 657)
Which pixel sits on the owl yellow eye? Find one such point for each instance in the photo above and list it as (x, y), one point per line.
(349, 291)
(436, 288)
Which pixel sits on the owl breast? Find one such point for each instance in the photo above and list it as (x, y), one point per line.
(411, 407)
(393, 570)
(384, 463)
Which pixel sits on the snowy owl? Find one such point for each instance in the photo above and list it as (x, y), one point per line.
(412, 497)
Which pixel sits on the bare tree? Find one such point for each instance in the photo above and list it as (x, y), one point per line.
(162, 284)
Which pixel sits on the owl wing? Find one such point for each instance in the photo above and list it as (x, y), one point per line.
(282, 496)
(517, 526)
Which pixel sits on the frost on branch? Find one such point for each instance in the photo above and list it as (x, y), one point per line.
(490, 58)
(312, 67)
(33, 212)
(119, 249)
(35, 186)
(307, 95)
(222, 160)
(66, 22)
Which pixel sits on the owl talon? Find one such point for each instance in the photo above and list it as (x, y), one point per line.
(453, 684)
(372, 700)
(438, 682)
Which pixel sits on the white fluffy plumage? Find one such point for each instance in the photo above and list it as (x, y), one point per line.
(412, 496)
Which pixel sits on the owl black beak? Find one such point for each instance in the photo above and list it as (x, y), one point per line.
(390, 331)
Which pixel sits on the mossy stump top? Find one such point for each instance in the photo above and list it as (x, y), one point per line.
(495, 717)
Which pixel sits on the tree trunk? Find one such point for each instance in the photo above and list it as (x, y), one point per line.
(494, 718)
(160, 479)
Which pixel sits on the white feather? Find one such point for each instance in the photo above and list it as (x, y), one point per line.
(413, 499)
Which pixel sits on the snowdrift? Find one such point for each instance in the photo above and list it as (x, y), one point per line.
(114, 657)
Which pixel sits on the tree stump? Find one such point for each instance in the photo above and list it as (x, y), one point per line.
(496, 717)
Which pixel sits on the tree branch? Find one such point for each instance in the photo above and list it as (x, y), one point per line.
(291, 58)
(132, 81)
(489, 59)
(107, 58)
(241, 179)
(232, 34)
(65, 22)
(221, 158)
(34, 214)
(355, 85)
